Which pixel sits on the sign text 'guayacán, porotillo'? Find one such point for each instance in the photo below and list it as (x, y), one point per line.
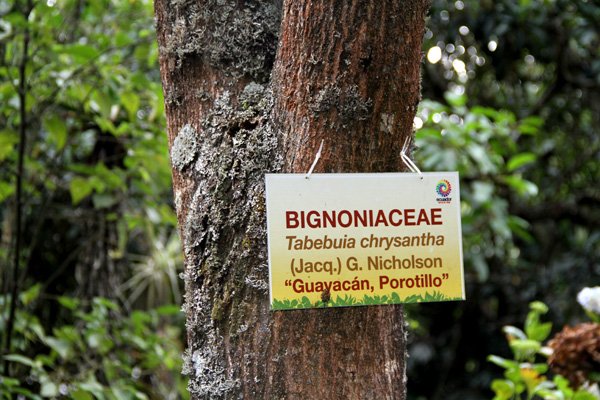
(363, 239)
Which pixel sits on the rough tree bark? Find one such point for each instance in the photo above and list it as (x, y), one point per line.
(252, 87)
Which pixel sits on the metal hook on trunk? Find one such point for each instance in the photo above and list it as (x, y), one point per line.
(407, 161)
(316, 159)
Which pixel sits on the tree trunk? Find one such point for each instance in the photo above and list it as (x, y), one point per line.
(253, 87)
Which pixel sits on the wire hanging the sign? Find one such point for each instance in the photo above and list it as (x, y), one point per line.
(407, 161)
(316, 159)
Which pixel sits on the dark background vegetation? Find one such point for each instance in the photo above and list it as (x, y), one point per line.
(511, 99)
(519, 118)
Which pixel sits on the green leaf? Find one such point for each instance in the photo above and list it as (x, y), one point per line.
(101, 103)
(106, 303)
(503, 389)
(35, 327)
(546, 389)
(139, 317)
(540, 368)
(520, 227)
(57, 128)
(31, 294)
(96, 182)
(502, 362)
(539, 332)
(17, 19)
(61, 346)
(519, 160)
(20, 359)
(121, 393)
(481, 157)
(563, 385)
(514, 332)
(581, 395)
(81, 395)
(525, 349)
(68, 302)
(92, 385)
(81, 52)
(80, 188)
(6, 190)
(9, 382)
(481, 267)
(484, 111)
(522, 186)
(454, 99)
(482, 191)
(131, 102)
(102, 200)
(531, 125)
(8, 139)
(47, 387)
(94, 340)
(538, 307)
(122, 39)
(168, 310)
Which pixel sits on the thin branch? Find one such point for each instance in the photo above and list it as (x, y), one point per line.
(19, 190)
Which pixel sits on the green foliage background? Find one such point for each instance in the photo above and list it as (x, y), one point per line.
(98, 251)
(513, 105)
(512, 102)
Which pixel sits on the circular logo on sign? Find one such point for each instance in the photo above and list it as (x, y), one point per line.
(443, 188)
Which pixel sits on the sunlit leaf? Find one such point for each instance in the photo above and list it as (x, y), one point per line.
(20, 359)
(101, 103)
(456, 100)
(61, 346)
(525, 349)
(168, 310)
(503, 389)
(81, 52)
(69, 302)
(8, 139)
(106, 303)
(582, 395)
(122, 39)
(57, 129)
(80, 188)
(514, 333)
(81, 395)
(520, 227)
(103, 200)
(131, 102)
(6, 190)
(503, 362)
(519, 160)
(31, 294)
(522, 186)
(47, 387)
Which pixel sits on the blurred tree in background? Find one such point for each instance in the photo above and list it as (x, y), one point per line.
(512, 101)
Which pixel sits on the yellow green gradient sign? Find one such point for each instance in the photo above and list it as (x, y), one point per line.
(363, 239)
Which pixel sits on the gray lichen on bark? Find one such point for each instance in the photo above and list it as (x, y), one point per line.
(350, 103)
(242, 41)
(353, 106)
(224, 231)
(185, 147)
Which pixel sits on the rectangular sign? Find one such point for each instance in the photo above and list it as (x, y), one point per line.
(363, 239)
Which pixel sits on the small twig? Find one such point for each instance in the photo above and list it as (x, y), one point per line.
(316, 159)
(19, 189)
